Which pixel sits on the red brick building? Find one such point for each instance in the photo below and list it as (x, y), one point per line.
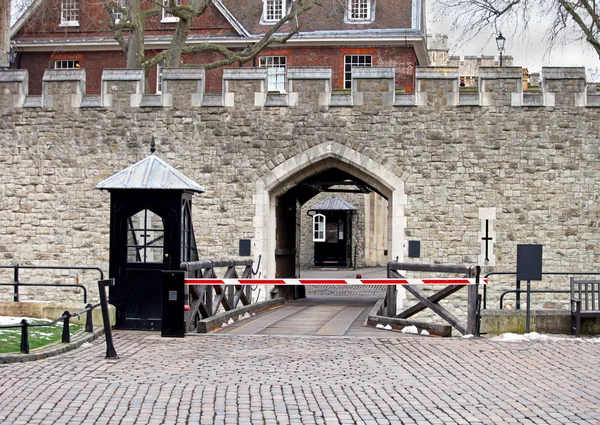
(338, 34)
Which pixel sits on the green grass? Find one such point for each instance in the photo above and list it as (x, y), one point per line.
(10, 339)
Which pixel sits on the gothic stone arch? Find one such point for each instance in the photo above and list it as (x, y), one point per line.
(290, 173)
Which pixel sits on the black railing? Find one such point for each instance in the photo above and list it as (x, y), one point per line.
(518, 291)
(16, 283)
(66, 316)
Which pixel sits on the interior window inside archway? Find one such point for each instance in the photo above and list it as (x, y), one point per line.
(145, 238)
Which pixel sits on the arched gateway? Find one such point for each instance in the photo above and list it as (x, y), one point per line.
(282, 190)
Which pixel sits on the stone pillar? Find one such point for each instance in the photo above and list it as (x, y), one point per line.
(14, 86)
(564, 86)
(309, 86)
(122, 88)
(63, 88)
(244, 87)
(501, 86)
(182, 87)
(374, 86)
(4, 33)
(437, 87)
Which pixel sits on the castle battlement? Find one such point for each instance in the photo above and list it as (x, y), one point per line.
(436, 87)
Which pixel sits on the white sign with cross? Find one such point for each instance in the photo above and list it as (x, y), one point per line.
(487, 236)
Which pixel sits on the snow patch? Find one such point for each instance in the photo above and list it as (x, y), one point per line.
(424, 332)
(410, 330)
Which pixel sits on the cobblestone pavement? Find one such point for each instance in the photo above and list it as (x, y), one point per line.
(363, 291)
(228, 379)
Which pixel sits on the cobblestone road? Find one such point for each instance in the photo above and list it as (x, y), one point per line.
(227, 379)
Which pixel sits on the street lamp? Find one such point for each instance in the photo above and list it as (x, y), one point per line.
(500, 43)
(11, 55)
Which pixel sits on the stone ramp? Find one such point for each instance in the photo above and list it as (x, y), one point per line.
(322, 316)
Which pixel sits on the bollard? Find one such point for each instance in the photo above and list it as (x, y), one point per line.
(24, 337)
(89, 323)
(66, 335)
(110, 348)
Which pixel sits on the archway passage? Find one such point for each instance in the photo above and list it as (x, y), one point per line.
(281, 191)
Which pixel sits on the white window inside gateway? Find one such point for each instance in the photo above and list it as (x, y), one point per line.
(351, 61)
(166, 16)
(69, 13)
(318, 228)
(273, 10)
(359, 10)
(276, 67)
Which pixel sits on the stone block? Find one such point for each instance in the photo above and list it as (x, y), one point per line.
(373, 86)
(182, 87)
(501, 86)
(244, 87)
(309, 86)
(14, 87)
(437, 87)
(122, 88)
(63, 88)
(564, 87)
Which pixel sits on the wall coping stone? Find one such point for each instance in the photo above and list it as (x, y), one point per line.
(309, 73)
(123, 75)
(468, 99)
(33, 102)
(593, 100)
(183, 73)
(373, 72)
(245, 74)
(91, 101)
(151, 101)
(12, 76)
(341, 100)
(405, 100)
(64, 75)
(496, 72)
(212, 99)
(437, 73)
(563, 73)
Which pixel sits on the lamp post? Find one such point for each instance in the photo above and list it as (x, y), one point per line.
(500, 43)
(11, 55)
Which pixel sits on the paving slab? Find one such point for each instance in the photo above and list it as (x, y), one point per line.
(264, 379)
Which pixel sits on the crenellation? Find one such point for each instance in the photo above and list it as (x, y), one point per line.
(13, 88)
(501, 86)
(564, 86)
(122, 88)
(306, 87)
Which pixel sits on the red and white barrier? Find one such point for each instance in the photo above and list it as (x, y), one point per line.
(443, 281)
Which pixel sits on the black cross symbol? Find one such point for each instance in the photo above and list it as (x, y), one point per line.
(487, 238)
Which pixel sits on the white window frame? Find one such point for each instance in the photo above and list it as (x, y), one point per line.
(273, 10)
(166, 16)
(159, 70)
(354, 63)
(319, 228)
(359, 10)
(67, 64)
(69, 13)
(117, 14)
(276, 72)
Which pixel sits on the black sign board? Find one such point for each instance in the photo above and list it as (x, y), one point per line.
(529, 262)
(414, 249)
(245, 248)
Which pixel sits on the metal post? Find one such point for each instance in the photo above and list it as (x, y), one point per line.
(66, 335)
(24, 337)
(518, 295)
(89, 323)
(16, 282)
(528, 317)
(110, 349)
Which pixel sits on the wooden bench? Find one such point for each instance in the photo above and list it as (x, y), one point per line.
(585, 302)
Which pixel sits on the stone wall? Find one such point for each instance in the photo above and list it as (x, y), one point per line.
(538, 166)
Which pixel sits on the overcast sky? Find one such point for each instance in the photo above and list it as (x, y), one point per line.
(528, 51)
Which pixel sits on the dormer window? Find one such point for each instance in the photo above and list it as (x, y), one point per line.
(69, 13)
(166, 16)
(273, 10)
(359, 10)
